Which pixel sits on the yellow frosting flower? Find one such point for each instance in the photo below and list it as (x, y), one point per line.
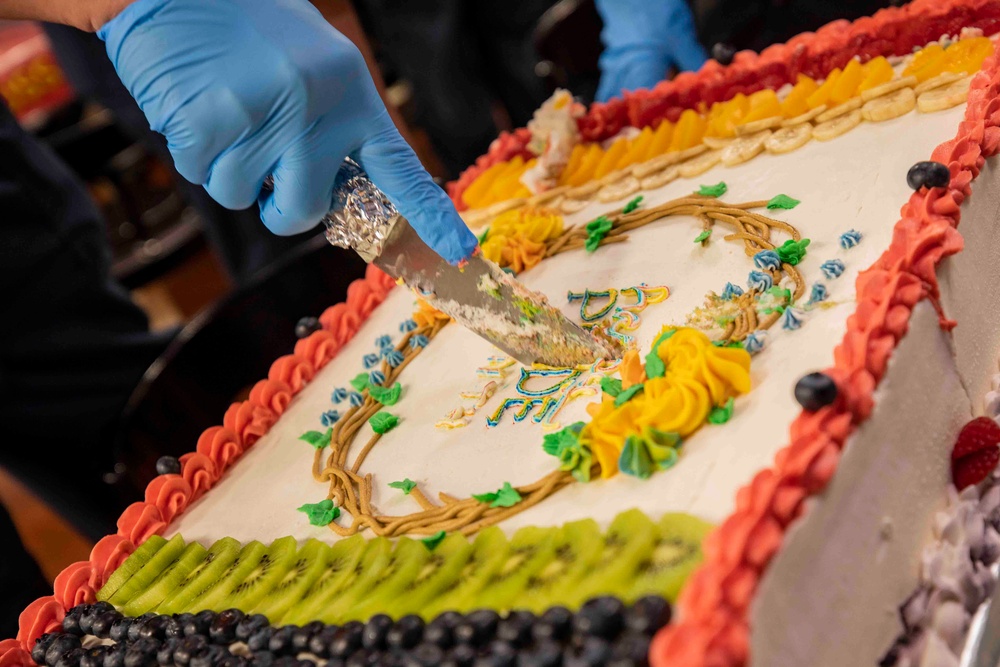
(518, 253)
(426, 314)
(631, 369)
(689, 354)
(517, 238)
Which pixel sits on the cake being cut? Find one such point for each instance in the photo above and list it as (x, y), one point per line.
(764, 475)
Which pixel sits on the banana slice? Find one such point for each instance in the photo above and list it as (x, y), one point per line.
(787, 139)
(942, 79)
(805, 117)
(744, 148)
(615, 191)
(839, 110)
(888, 87)
(755, 126)
(700, 164)
(889, 106)
(947, 97)
(659, 179)
(474, 218)
(547, 196)
(643, 169)
(569, 205)
(614, 176)
(585, 190)
(717, 142)
(689, 153)
(832, 129)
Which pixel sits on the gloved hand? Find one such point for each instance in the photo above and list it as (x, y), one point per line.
(246, 88)
(642, 40)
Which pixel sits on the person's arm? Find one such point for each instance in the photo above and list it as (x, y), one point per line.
(87, 15)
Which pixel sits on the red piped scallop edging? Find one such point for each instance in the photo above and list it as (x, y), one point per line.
(891, 31)
(219, 447)
(714, 606)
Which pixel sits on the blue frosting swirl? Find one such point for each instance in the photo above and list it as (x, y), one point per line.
(370, 360)
(339, 395)
(731, 291)
(832, 268)
(329, 418)
(767, 260)
(850, 238)
(760, 281)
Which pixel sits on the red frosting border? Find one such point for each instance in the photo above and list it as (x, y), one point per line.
(218, 448)
(714, 630)
(890, 31)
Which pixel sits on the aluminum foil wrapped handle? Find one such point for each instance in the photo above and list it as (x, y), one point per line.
(361, 216)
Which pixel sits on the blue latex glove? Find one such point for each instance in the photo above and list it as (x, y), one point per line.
(642, 40)
(246, 88)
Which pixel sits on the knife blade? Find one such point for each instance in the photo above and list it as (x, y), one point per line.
(479, 295)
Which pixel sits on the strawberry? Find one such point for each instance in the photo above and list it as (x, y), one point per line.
(975, 454)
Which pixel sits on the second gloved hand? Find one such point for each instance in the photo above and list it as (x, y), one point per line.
(642, 40)
(243, 89)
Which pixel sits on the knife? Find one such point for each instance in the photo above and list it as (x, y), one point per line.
(478, 295)
(982, 645)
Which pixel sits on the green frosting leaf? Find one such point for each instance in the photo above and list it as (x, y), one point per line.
(626, 395)
(716, 190)
(322, 513)
(792, 252)
(632, 205)
(434, 540)
(573, 456)
(386, 395)
(611, 386)
(317, 439)
(597, 229)
(383, 422)
(482, 237)
(360, 381)
(721, 414)
(705, 234)
(506, 496)
(553, 444)
(405, 486)
(655, 368)
(644, 454)
(783, 201)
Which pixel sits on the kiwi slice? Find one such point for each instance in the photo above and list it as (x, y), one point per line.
(531, 548)
(489, 550)
(440, 571)
(627, 543)
(215, 596)
(676, 552)
(164, 557)
(353, 580)
(405, 565)
(189, 596)
(310, 564)
(132, 564)
(243, 593)
(577, 547)
(191, 558)
(391, 571)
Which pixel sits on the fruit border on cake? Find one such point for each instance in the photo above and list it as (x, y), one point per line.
(714, 606)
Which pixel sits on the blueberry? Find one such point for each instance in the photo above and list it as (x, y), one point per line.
(210, 656)
(60, 644)
(115, 657)
(119, 629)
(555, 623)
(71, 622)
(70, 658)
(498, 654)
(198, 625)
(377, 627)
(173, 629)
(94, 657)
(232, 661)
(260, 639)
(142, 652)
(594, 651)
(477, 628)
(165, 656)
(630, 649)
(648, 614)
(723, 53)
(153, 628)
(307, 326)
(248, 625)
(137, 625)
(262, 659)
(441, 630)
(189, 647)
(281, 640)
(361, 658)
(86, 617)
(346, 640)
(101, 626)
(222, 629)
(928, 174)
(406, 632)
(600, 617)
(42, 645)
(425, 655)
(319, 643)
(515, 629)
(815, 390)
(462, 655)
(545, 653)
(301, 637)
(168, 465)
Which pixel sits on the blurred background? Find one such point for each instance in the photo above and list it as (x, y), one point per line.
(236, 290)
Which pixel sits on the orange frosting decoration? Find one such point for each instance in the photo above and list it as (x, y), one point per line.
(41, 616)
(107, 555)
(220, 445)
(293, 370)
(74, 585)
(139, 521)
(170, 494)
(199, 472)
(248, 421)
(319, 348)
(12, 654)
